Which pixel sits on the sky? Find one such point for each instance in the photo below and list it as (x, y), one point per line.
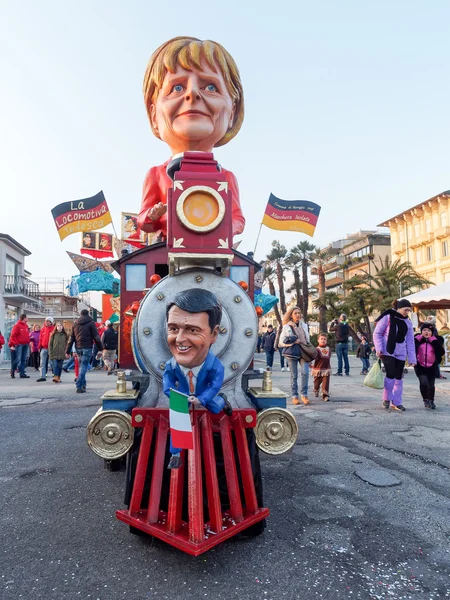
(347, 105)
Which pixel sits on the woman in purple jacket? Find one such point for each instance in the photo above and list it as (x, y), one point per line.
(394, 342)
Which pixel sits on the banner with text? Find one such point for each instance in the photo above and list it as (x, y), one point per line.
(291, 215)
(81, 215)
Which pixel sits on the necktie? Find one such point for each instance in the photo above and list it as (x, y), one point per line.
(191, 383)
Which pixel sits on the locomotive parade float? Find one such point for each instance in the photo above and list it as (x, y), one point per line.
(189, 326)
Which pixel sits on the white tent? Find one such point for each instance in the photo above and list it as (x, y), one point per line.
(434, 297)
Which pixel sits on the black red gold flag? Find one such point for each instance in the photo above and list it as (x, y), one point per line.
(291, 215)
(81, 215)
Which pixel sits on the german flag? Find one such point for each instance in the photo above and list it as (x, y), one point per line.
(88, 214)
(291, 215)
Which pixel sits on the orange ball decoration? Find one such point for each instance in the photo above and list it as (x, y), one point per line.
(259, 311)
(244, 285)
(135, 307)
(154, 279)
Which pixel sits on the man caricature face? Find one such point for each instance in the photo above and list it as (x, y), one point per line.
(193, 110)
(189, 336)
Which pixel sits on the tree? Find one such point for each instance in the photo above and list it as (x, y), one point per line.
(293, 262)
(277, 258)
(303, 251)
(319, 259)
(269, 275)
(391, 280)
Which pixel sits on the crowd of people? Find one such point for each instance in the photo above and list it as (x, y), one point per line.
(87, 346)
(395, 344)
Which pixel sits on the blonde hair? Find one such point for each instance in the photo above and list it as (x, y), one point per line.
(288, 314)
(188, 52)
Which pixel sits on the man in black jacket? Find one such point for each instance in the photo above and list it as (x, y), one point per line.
(110, 344)
(84, 334)
(342, 330)
(268, 344)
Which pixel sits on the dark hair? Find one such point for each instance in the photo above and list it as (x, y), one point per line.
(269, 325)
(84, 312)
(23, 316)
(196, 300)
(402, 303)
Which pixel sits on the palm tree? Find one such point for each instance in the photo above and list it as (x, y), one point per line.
(269, 274)
(303, 250)
(293, 261)
(277, 258)
(319, 259)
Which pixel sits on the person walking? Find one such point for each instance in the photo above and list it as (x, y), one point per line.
(84, 335)
(19, 341)
(341, 329)
(44, 340)
(363, 352)
(394, 342)
(429, 351)
(283, 361)
(57, 350)
(321, 368)
(295, 332)
(110, 340)
(34, 346)
(268, 345)
(2, 342)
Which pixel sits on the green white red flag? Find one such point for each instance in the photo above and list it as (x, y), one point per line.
(180, 421)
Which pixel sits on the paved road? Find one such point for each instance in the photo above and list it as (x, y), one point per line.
(331, 533)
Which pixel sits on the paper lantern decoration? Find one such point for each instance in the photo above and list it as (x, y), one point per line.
(259, 311)
(154, 279)
(244, 285)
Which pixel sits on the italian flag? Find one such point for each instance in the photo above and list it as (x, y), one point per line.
(180, 421)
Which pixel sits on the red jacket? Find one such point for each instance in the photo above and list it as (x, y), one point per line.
(2, 341)
(20, 334)
(44, 339)
(156, 185)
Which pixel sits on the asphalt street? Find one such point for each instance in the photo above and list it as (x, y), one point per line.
(360, 508)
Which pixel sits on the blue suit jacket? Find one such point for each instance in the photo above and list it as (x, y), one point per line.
(208, 384)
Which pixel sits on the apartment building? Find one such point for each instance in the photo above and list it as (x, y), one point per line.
(421, 235)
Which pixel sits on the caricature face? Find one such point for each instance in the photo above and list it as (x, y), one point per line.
(130, 226)
(193, 110)
(87, 240)
(189, 336)
(104, 243)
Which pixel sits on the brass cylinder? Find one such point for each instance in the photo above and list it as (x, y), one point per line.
(267, 381)
(121, 386)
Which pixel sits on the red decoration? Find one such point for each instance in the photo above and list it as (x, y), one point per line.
(259, 311)
(244, 285)
(154, 279)
(196, 535)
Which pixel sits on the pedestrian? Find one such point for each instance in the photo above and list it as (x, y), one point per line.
(110, 340)
(19, 341)
(84, 334)
(44, 340)
(57, 350)
(2, 341)
(283, 361)
(429, 351)
(363, 352)
(268, 345)
(295, 332)
(394, 342)
(341, 329)
(321, 368)
(431, 320)
(34, 346)
(259, 342)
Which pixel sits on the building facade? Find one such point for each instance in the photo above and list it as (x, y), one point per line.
(18, 293)
(421, 235)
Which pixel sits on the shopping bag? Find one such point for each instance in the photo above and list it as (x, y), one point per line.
(375, 378)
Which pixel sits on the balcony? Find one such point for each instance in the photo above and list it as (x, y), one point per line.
(442, 232)
(20, 288)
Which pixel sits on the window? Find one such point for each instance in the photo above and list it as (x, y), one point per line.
(417, 229)
(428, 225)
(401, 237)
(444, 249)
(238, 274)
(12, 267)
(443, 219)
(135, 277)
(429, 253)
(418, 257)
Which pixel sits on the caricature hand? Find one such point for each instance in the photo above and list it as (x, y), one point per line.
(157, 211)
(194, 400)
